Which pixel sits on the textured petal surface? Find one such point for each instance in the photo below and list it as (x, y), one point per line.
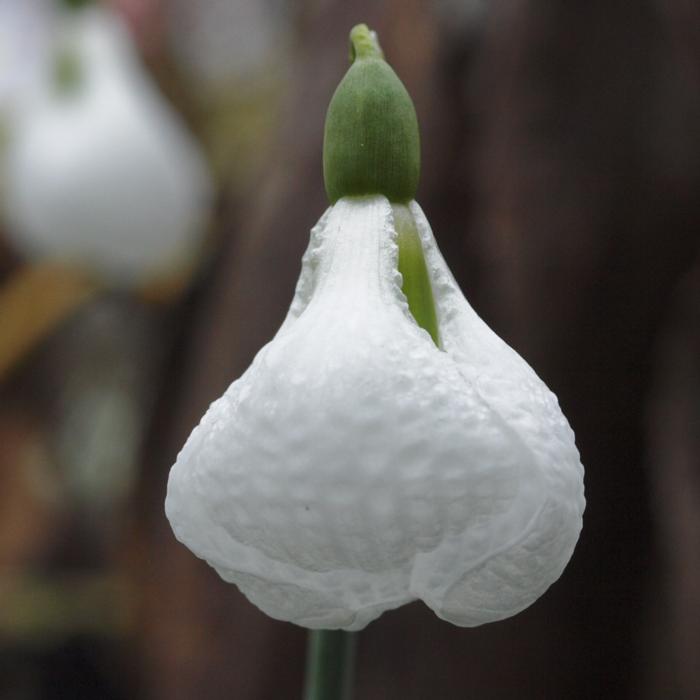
(355, 466)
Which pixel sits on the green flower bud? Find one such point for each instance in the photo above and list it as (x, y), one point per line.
(77, 4)
(67, 71)
(371, 143)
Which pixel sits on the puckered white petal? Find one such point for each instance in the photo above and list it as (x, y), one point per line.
(355, 466)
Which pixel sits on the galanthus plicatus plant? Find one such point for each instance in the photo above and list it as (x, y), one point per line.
(99, 170)
(386, 445)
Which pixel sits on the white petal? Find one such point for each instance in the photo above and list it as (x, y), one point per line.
(355, 466)
(507, 579)
(107, 177)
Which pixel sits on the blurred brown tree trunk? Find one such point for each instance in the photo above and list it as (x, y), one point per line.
(674, 433)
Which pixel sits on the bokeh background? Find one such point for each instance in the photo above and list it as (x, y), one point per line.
(561, 174)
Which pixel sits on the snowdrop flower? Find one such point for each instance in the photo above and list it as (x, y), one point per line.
(99, 171)
(24, 39)
(386, 445)
(220, 43)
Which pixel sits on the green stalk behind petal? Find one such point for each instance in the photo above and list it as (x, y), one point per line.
(416, 282)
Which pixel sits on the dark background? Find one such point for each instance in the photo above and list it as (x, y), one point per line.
(561, 176)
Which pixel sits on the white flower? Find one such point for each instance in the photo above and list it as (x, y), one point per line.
(220, 43)
(102, 173)
(355, 466)
(24, 41)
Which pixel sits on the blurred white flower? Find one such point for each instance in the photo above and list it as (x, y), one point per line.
(100, 171)
(220, 42)
(25, 30)
(356, 466)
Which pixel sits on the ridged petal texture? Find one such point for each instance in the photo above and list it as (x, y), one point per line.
(355, 466)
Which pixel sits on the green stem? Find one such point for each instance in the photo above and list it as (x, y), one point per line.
(330, 664)
(416, 281)
(75, 4)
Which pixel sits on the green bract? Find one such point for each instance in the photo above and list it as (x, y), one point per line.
(371, 143)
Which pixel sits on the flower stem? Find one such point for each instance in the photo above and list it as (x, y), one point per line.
(416, 281)
(330, 665)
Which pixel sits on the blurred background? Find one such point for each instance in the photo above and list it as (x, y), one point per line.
(160, 169)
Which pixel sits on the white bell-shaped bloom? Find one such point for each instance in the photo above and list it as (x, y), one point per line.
(356, 466)
(103, 174)
(220, 43)
(25, 27)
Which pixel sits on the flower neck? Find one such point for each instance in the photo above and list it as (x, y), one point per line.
(416, 282)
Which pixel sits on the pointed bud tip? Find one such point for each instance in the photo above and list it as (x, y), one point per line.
(364, 43)
(371, 142)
